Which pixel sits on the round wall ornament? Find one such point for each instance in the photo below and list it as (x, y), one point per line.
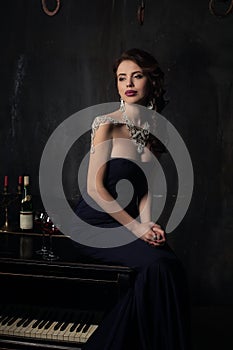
(50, 12)
(216, 12)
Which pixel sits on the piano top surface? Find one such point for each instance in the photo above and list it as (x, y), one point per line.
(11, 253)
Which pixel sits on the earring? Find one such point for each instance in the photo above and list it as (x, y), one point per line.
(150, 105)
(122, 105)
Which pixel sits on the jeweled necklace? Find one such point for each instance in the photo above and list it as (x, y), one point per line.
(139, 135)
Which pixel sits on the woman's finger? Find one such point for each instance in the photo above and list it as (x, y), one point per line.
(157, 229)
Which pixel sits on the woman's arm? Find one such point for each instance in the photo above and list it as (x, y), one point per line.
(145, 208)
(145, 216)
(96, 174)
(97, 191)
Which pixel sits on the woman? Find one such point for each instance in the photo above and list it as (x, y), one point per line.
(153, 315)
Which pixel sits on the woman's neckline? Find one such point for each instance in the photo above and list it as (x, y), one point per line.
(130, 159)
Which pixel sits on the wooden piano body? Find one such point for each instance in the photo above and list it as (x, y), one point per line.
(53, 305)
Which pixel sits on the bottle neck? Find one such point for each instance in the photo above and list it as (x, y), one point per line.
(26, 196)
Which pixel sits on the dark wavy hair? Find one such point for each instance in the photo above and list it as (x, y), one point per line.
(151, 69)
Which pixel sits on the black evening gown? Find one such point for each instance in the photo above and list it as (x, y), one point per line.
(154, 312)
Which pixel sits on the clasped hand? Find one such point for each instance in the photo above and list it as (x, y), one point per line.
(153, 235)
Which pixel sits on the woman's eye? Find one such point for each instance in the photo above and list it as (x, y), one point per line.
(121, 78)
(138, 76)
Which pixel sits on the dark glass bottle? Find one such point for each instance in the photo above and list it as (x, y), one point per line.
(26, 208)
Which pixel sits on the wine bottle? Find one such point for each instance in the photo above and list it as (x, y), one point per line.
(16, 205)
(26, 210)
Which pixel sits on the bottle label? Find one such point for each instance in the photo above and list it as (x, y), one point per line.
(26, 220)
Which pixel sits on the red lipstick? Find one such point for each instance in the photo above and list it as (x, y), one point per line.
(130, 92)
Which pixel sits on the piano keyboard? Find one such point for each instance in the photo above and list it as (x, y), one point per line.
(63, 325)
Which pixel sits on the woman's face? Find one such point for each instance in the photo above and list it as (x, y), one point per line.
(132, 84)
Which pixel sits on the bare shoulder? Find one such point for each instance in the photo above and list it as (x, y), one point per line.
(113, 118)
(116, 115)
(102, 127)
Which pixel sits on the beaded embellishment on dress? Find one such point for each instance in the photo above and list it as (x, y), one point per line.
(139, 135)
(96, 124)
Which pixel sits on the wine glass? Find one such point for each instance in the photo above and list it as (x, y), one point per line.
(40, 219)
(51, 229)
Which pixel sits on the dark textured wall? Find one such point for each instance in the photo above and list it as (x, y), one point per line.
(52, 67)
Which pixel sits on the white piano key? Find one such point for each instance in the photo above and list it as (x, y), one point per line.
(78, 334)
(17, 330)
(40, 331)
(9, 329)
(33, 330)
(26, 330)
(47, 320)
(69, 335)
(98, 316)
(45, 317)
(61, 335)
(87, 321)
(56, 334)
(29, 329)
(67, 332)
(46, 329)
(58, 326)
(23, 316)
(33, 315)
(4, 325)
(72, 334)
(86, 336)
(44, 334)
(63, 320)
(49, 334)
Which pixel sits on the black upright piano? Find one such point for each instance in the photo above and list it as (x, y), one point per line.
(53, 304)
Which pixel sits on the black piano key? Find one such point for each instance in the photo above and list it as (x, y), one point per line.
(63, 318)
(42, 324)
(12, 320)
(40, 317)
(76, 323)
(64, 325)
(68, 320)
(48, 324)
(7, 314)
(59, 323)
(27, 321)
(35, 324)
(20, 323)
(82, 322)
(10, 316)
(88, 323)
(6, 319)
(45, 319)
(23, 315)
(3, 318)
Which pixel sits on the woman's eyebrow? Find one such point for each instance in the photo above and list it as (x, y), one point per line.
(138, 71)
